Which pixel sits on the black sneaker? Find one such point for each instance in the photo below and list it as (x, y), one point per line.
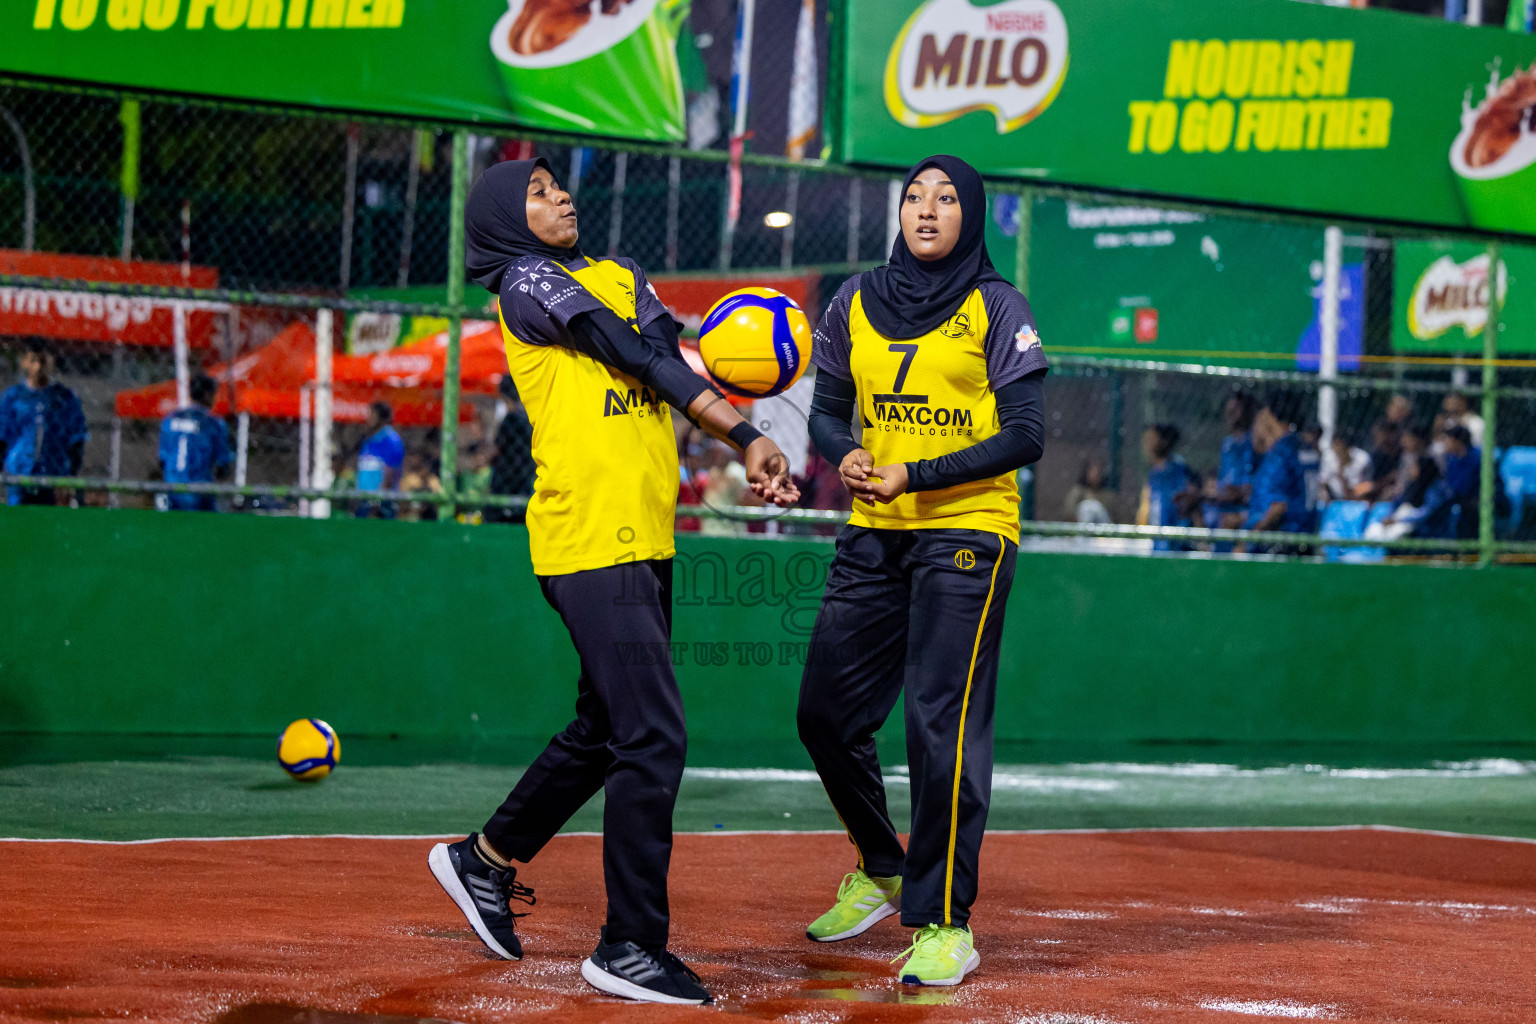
(482, 893)
(624, 969)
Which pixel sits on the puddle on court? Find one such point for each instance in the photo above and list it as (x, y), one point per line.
(22, 983)
(920, 997)
(274, 1013)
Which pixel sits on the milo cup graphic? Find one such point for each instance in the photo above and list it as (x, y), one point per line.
(606, 66)
(1494, 156)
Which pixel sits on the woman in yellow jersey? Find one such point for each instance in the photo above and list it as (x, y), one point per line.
(937, 358)
(595, 358)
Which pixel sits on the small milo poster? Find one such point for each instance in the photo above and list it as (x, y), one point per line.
(1442, 292)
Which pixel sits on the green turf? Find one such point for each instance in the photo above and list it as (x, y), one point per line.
(58, 792)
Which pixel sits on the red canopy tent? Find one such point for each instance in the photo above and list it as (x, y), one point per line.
(270, 382)
(482, 361)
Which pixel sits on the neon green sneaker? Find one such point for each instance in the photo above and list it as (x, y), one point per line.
(941, 955)
(861, 901)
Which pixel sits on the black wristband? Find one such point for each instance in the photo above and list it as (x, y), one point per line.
(743, 434)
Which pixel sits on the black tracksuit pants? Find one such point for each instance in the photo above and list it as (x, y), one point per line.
(920, 610)
(628, 739)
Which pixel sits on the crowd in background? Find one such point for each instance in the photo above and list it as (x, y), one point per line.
(1276, 474)
(1275, 471)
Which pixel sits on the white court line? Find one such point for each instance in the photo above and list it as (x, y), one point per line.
(816, 832)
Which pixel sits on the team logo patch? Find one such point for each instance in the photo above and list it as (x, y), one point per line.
(965, 558)
(1026, 339)
(957, 326)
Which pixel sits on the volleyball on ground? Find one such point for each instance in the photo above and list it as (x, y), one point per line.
(308, 749)
(755, 342)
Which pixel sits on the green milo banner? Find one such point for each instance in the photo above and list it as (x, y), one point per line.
(608, 68)
(1268, 102)
(1442, 291)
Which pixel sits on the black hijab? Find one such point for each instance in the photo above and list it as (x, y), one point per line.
(909, 297)
(496, 232)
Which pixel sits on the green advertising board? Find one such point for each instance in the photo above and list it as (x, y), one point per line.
(1441, 303)
(1137, 282)
(1368, 114)
(607, 69)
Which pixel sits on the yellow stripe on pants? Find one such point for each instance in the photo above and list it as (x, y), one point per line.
(965, 703)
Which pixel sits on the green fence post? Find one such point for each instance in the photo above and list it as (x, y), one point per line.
(449, 476)
(130, 116)
(1021, 239)
(1485, 500)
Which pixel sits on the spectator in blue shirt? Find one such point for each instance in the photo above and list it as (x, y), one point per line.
(42, 427)
(1461, 481)
(1234, 474)
(1311, 458)
(194, 447)
(1279, 499)
(379, 460)
(1172, 494)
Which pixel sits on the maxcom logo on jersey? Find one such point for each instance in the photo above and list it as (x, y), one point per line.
(643, 403)
(910, 414)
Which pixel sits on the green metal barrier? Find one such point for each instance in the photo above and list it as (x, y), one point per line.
(138, 622)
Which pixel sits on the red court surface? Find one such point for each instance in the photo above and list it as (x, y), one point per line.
(1092, 928)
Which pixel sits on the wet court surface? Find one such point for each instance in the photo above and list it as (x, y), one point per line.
(1072, 929)
(150, 787)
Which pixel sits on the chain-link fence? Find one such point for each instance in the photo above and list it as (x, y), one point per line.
(294, 270)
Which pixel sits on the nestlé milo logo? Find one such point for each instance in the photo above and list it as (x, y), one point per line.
(952, 58)
(1450, 294)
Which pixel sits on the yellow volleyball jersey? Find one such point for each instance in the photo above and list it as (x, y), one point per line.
(606, 481)
(925, 397)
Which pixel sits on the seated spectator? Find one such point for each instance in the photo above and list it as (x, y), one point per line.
(1311, 436)
(1456, 411)
(1420, 509)
(194, 448)
(1386, 459)
(1171, 496)
(725, 487)
(821, 486)
(1234, 474)
(1462, 477)
(475, 471)
(1279, 499)
(417, 476)
(1088, 500)
(1399, 410)
(379, 461)
(1343, 470)
(42, 427)
(1414, 446)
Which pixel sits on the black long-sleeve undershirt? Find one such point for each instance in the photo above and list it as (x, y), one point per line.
(1018, 442)
(831, 419)
(651, 357)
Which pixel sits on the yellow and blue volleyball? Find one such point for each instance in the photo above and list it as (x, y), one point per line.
(755, 342)
(308, 749)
